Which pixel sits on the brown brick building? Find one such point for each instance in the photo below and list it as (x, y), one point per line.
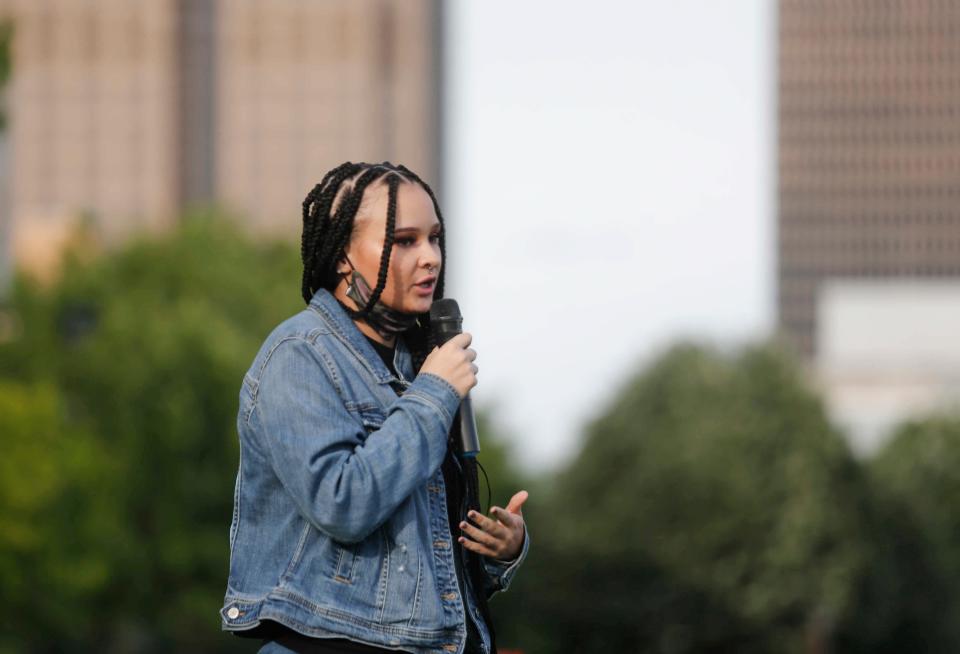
(869, 147)
(128, 112)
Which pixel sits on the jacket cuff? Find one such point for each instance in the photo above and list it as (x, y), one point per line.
(501, 572)
(436, 391)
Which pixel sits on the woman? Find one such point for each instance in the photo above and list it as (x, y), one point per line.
(356, 526)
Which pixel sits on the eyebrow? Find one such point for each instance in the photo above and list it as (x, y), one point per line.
(415, 230)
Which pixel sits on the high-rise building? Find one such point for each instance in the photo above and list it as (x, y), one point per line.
(127, 113)
(869, 205)
(869, 148)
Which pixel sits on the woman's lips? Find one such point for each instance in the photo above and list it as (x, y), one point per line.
(425, 288)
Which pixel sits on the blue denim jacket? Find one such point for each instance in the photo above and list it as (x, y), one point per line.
(339, 521)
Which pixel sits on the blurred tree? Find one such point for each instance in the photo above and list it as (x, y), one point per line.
(910, 601)
(146, 348)
(36, 472)
(712, 508)
(498, 459)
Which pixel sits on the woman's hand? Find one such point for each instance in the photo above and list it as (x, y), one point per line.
(500, 537)
(454, 362)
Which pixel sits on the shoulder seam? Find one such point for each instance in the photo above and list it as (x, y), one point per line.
(312, 344)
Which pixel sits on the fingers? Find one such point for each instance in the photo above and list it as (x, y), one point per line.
(497, 538)
(506, 517)
(478, 535)
(461, 340)
(516, 502)
(478, 548)
(455, 363)
(487, 524)
(488, 537)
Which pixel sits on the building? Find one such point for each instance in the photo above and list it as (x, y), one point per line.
(869, 185)
(887, 351)
(127, 113)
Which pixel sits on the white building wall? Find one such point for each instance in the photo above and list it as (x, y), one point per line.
(888, 350)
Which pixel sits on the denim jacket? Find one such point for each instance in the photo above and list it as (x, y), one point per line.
(339, 522)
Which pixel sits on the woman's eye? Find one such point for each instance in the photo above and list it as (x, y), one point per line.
(435, 238)
(404, 241)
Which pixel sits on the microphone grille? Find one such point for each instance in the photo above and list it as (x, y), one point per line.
(445, 309)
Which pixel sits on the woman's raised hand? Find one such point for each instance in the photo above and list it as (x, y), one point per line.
(454, 362)
(500, 536)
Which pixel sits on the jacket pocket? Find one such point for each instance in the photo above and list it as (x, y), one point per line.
(337, 561)
(343, 560)
(302, 543)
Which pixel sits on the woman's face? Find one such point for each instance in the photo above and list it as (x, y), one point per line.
(415, 259)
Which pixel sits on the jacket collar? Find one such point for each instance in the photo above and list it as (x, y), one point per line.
(324, 303)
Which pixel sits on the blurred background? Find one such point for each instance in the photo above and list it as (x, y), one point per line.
(709, 252)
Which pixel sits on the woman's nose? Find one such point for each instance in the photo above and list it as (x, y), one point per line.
(431, 257)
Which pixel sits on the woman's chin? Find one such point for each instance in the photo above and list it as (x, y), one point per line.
(418, 304)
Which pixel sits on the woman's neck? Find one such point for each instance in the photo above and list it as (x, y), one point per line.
(373, 334)
(340, 294)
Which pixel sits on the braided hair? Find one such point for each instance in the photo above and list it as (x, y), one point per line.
(329, 213)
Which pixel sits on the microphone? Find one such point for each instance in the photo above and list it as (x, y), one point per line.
(446, 322)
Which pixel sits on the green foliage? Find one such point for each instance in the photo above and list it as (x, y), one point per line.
(717, 485)
(497, 458)
(54, 518)
(146, 349)
(919, 471)
(910, 601)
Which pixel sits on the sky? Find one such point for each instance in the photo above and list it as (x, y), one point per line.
(609, 191)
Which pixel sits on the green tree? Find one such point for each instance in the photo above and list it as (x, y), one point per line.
(712, 508)
(498, 459)
(910, 601)
(43, 464)
(146, 348)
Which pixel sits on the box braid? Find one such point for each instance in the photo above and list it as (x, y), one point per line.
(329, 213)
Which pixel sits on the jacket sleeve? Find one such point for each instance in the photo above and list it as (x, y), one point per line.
(344, 483)
(498, 574)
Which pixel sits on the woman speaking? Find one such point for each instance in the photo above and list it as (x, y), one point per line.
(356, 523)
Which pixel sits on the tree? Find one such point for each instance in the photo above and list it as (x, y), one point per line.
(909, 601)
(145, 349)
(712, 508)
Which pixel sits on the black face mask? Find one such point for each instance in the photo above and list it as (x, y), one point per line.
(386, 321)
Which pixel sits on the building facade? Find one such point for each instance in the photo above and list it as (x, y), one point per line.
(125, 114)
(869, 148)
(869, 206)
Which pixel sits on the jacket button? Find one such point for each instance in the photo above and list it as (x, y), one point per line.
(441, 544)
(233, 613)
(449, 596)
